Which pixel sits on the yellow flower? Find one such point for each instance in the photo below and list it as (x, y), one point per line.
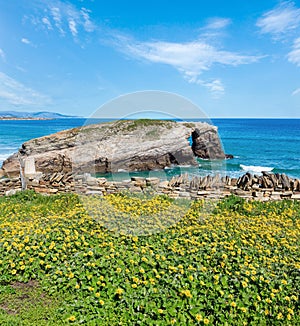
(119, 291)
(72, 318)
(134, 286)
(187, 293)
(244, 284)
(199, 317)
(97, 294)
(101, 302)
(279, 316)
(119, 270)
(14, 271)
(206, 321)
(233, 304)
(90, 253)
(77, 286)
(160, 311)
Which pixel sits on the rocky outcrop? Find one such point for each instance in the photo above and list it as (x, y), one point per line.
(207, 144)
(131, 145)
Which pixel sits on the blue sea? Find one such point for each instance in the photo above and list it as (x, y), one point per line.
(256, 144)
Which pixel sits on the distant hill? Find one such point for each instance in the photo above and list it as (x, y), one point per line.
(35, 115)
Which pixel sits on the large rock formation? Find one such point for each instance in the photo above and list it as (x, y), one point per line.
(131, 145)
(206, 144)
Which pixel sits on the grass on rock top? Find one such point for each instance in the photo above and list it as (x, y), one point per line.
(129, 125)
(234, 264)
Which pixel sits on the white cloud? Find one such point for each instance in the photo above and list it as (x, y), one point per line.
(14, 92)
(72, 26)
(191, 59)
(25, 41)
(215, 87)
(218, 23)
(56, 16)
(46, 22)
(296, 91)
(294, 55)
(88, 25)
(2, 54)
(64, 17)
(283, 21)
(284, 18)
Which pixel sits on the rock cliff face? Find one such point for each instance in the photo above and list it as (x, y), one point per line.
(131, 145)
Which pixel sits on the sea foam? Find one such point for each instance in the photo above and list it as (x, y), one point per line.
(254, 168)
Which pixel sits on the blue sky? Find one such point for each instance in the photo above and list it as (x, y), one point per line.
(231, 58)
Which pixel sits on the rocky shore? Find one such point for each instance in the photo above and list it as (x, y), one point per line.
(65, 162)
(265, 187)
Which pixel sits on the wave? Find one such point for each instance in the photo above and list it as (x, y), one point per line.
(256, 168)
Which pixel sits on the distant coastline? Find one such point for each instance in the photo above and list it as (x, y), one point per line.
(41, 115)
(27, 118)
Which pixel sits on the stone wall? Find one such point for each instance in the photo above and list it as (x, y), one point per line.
(266, 187)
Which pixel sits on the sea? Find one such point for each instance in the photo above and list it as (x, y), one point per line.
(256, 144)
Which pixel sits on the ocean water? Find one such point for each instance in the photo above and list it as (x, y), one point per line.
(256, 144)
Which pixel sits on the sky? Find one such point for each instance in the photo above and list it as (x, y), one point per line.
(230, 58)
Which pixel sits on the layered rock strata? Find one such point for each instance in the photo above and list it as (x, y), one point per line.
(131, 145)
